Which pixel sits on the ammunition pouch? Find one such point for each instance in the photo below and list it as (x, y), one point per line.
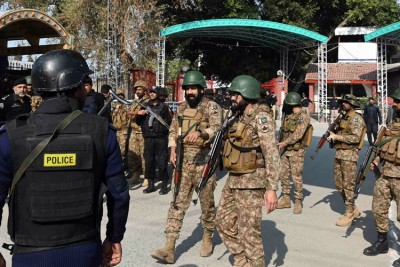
(391, 150)
(194, 120)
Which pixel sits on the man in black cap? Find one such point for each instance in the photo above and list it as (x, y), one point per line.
(94, 100)
(155, 141)
(372, 117)
(17, 103)
(105, 91)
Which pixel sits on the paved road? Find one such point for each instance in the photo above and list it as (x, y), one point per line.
(310, 239)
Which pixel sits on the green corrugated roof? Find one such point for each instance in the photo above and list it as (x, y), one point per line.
(265, 33)
(391, 31)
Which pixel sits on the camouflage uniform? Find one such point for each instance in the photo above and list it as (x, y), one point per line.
(120, 121)
(346, 157)
(193, 164)
(292, 160)
(240, 209)
(136, 143)
(387, 186)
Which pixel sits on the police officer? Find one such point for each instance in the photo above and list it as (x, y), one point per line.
(201, 120)
(36, 100)
(387, 186)
(94, 101)
(348, 140)
(17, 103)
(105, 91)
(54, 162)
(136, 141)
(252, 160)
(155, 142)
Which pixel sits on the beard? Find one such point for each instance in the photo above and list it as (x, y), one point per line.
(193, 100)
(239, 107)
(140, 96)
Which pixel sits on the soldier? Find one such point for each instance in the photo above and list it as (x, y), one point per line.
(120, 120)
(36, 99)
(17, 103)
(155, 142)
(136, 141)
(294, 140)
(347, 140)
(387, 186)
(201, 120)
(54, 164)
(252, 160)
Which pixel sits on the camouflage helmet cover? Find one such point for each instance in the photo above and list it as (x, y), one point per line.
(351, 99)
(140, 83)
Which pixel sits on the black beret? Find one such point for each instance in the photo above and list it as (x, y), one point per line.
(19, 81)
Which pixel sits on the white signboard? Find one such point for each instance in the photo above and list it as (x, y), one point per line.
(357, 52)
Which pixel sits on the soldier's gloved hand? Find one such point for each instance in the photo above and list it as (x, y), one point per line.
(112, 253)
(332, 137)
(2, 261)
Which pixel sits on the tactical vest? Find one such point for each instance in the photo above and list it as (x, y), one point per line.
(344, 129)
(120, 116)
(289, 127)
(136, 107)
(391, 150)
(151, 126)
(194, 119)
(240, 156)
(57, 200)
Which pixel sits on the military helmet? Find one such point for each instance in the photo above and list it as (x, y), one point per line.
(120, 92)
(59, 70)
(246, 85)
(163, 91)
(292, 99)
(28, 80)
(194, 77)
(351, 99)
(140, 83)
(396, 94)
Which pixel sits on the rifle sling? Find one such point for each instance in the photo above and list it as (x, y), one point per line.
(41, 146)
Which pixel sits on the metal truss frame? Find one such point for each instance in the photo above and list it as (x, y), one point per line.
(161, 62)
(381, 69)
(322, 83)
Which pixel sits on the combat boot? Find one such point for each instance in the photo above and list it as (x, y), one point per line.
(347, 218)
(380, 246)
(239, 260)
(285, 202)
(298, 207)
(134, 179)
(164, 188)
(150, 188)
(167, 253)
(206, 248)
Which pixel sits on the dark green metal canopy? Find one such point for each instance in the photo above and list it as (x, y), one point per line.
(391, 31)
(265, 33)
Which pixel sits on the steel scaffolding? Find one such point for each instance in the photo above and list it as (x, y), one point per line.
(113, 61)
(161, 62)
(381, 69)
(322, 83)
(284, 62)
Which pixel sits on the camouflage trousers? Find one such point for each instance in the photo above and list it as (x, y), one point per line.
(345, 179)
(121, 138)
(239, 223)
(386, 189)
(135, 154)
(191, 175)
(292, 166)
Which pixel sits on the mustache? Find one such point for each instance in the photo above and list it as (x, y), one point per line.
(190, 95)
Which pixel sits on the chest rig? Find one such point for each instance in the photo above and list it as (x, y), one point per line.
(344, 129)
(242, 151)
(194, 119)
(391, 150)
(289, 127)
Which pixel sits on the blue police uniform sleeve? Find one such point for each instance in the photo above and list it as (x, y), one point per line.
(118, 191)
(6, 168)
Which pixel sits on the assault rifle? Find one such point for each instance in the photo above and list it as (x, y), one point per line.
(212, 156)
(148, 109)
(332, 127)
(280, 135)
(368, 159)
(179, 160)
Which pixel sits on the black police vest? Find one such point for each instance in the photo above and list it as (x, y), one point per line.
(91, 105)
(151, 127)
(57, 200)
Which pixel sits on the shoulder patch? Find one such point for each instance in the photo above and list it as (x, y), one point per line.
(264, 129)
